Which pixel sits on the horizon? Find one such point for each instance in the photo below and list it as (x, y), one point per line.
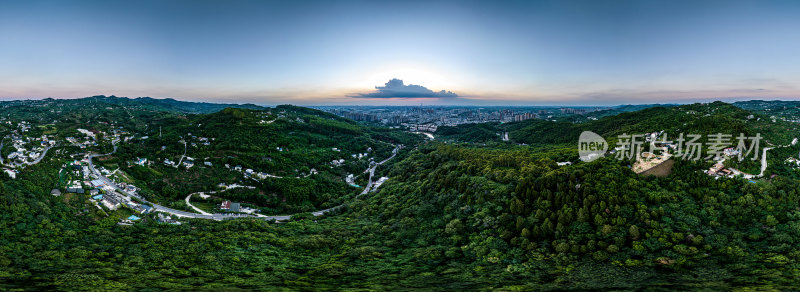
(412, 105)
(399, 145)
(369, 53)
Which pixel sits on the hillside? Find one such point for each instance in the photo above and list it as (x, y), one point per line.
(303, 156)
(703, 119)
(519, 219)
(470, 215)
(172, 105)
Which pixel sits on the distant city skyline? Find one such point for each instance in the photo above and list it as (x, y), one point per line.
(593, 53)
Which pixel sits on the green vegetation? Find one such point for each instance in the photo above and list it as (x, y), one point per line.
(476, 133)
(470, 213)
(286, 142)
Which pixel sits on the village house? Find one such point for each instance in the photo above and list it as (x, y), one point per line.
(141, 161)
(111, 202)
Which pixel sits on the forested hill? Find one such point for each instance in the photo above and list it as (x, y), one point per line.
(612, 112)
(522, 221)
(169, 104)
(703, 119)
(297, 157)
(144, 103)
(777, 109)
(451, 216)
(767, 105)
(695, 119)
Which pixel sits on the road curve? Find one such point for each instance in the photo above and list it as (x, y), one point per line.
(41, 156)
(218, 216)
(193, 207)
(763, 161)
(32, 163)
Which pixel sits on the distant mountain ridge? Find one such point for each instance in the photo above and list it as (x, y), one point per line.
(157, 104)
(170, 104)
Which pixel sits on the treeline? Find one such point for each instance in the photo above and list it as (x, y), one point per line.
(476, 133)
(701, 119)
(514, 209)
(286, 141)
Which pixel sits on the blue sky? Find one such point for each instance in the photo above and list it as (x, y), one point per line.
(337, 52)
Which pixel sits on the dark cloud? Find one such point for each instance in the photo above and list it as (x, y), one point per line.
(396, 89)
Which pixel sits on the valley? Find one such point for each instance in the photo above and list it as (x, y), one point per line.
(291, 197)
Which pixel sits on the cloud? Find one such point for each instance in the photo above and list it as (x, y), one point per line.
(396, 89)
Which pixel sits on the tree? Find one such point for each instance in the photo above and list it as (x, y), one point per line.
(633, 231)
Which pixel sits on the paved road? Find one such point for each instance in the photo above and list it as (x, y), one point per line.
(32, 163)
(764, 156)
(182, 156)
(41, 156)
(763, 161)
(372, 171)
(218, 216)
(157, 207)
(193, 207)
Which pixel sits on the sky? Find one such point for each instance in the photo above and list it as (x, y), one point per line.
(440, 52)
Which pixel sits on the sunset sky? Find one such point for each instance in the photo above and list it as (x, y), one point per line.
(456, 52)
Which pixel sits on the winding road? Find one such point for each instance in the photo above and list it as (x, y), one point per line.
(372, 171)
(218, 216)
(39, 159)
(157, 207)
(764, 161)
(41, 156)
(182, 156)
(193, 207)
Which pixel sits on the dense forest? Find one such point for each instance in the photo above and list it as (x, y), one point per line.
(467, 213)
(702, 119)
(285, 141)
